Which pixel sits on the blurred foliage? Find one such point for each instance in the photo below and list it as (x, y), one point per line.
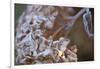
(19, 8)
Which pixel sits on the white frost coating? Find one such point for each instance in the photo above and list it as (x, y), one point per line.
(29, 8)
(26, 39)
(38, 32)
(48, 21)
(25, 27)
(21, 18)
(19, 35)
(48, 24)
(46, 52)
(64, 44)
(87, 20)
(42, 44)
(28, 17)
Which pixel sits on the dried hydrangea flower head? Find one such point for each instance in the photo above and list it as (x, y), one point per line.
(33, 46)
